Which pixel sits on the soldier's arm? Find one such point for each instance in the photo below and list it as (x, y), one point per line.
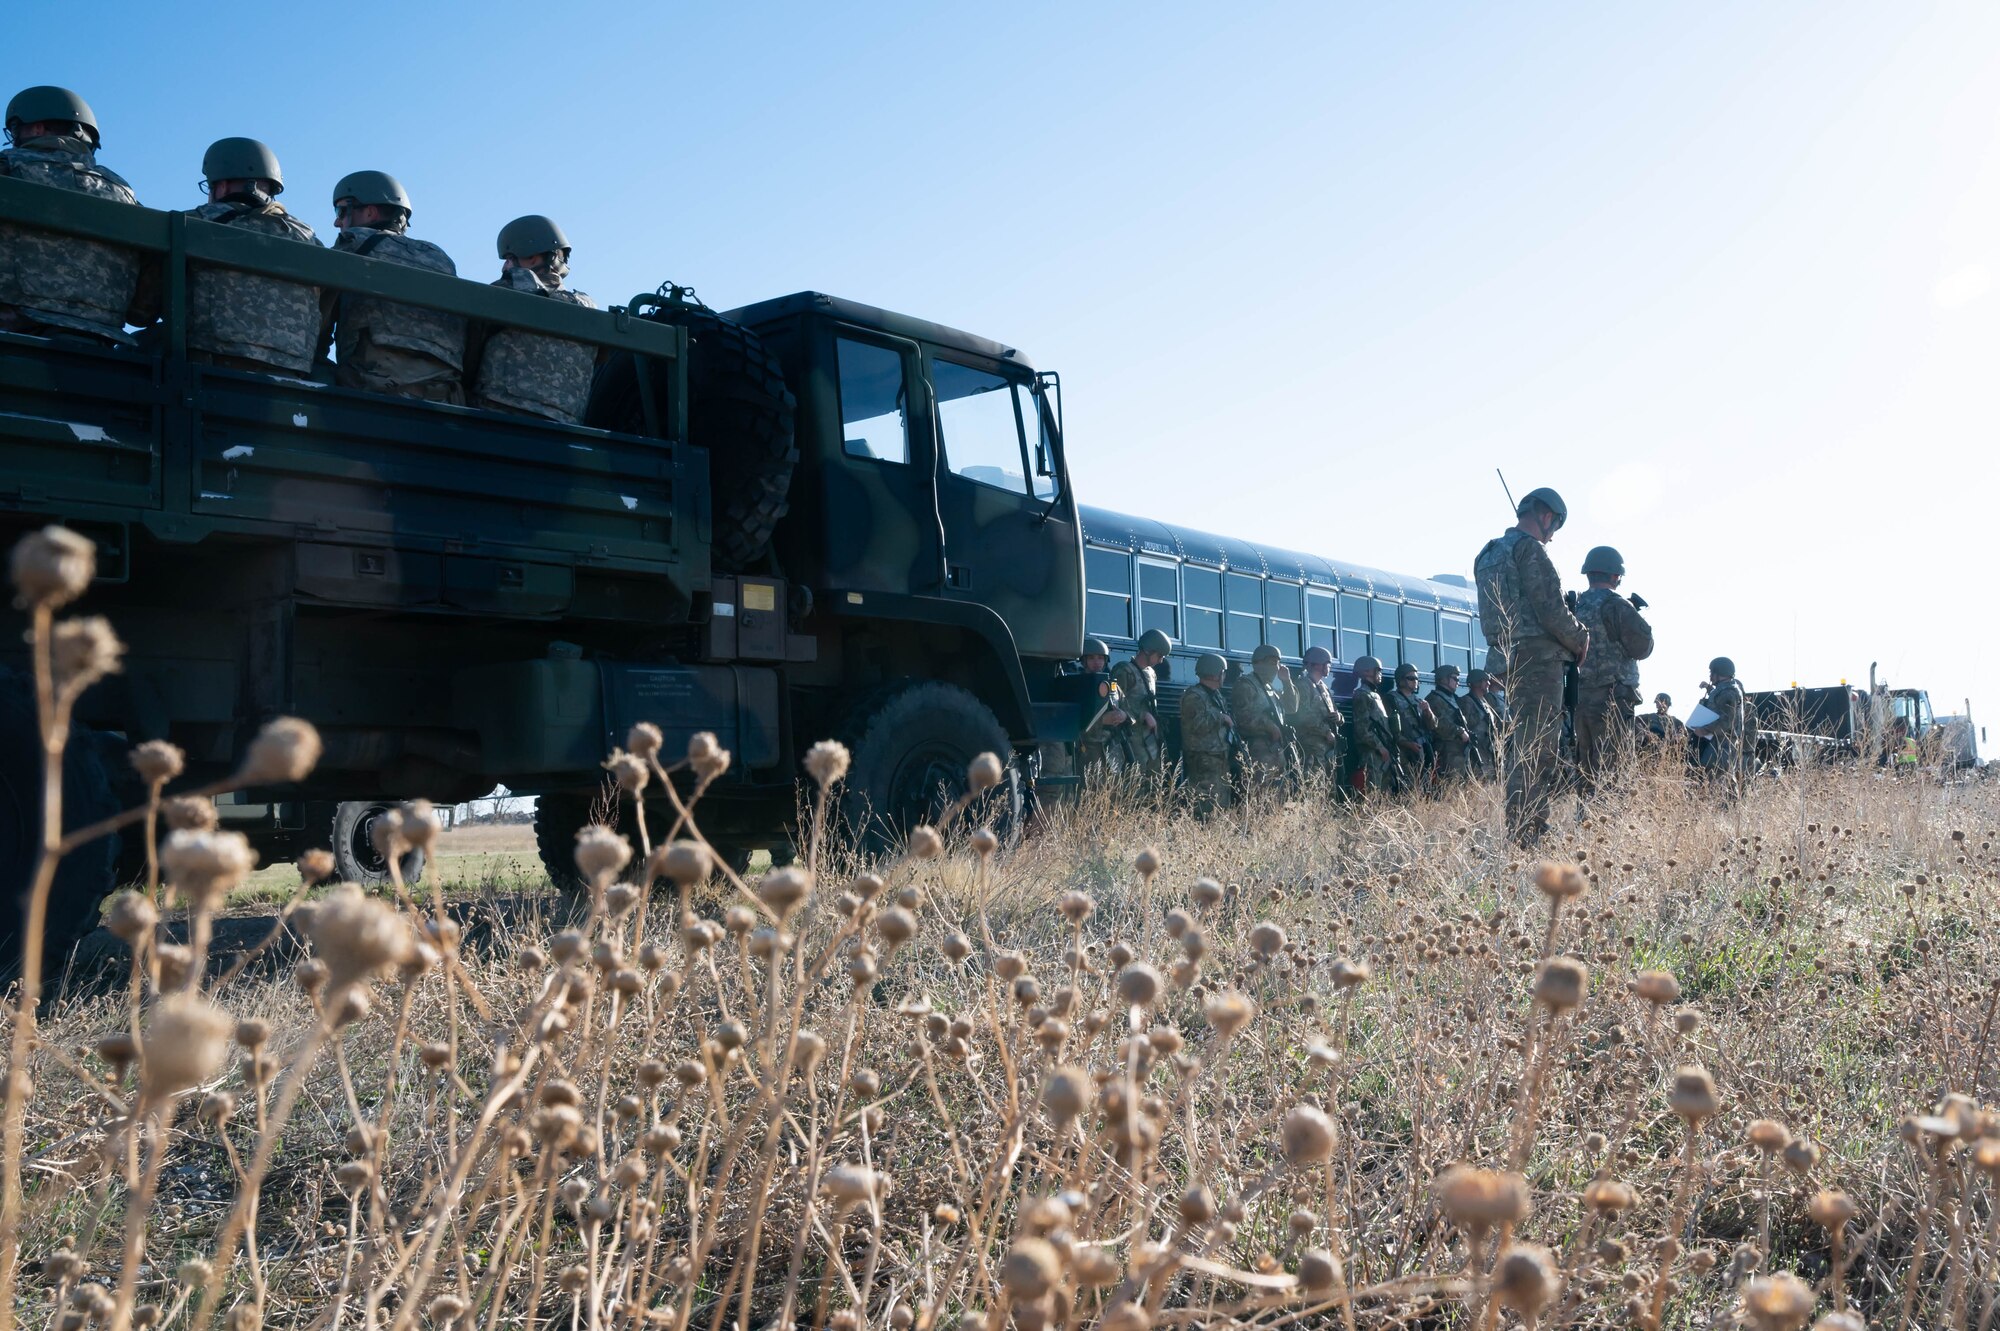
(1543, 592)
(1627, 625)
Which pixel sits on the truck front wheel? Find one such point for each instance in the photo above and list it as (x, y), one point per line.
(910, 755)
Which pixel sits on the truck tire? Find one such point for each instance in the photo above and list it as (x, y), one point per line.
(558, 818)
(86, 875)
(910, 752)
(355, 858)
(739, 411)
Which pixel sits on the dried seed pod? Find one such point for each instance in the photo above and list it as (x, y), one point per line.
(357, 937)
(157, 762)
(1830, 1210)
(1767, 1135)
(1029, 1269)
(1267, 940)
(1319, 1271)
(1525, 1279)
(925, 843)
(52, 567)
(1561, 983)
(1138, 985)
(1205, 893)
(984, 772)
(1065, 1095)
(827, 762)
(785, 890)
(1478, 1199)
(1693, 1096)
(1228, 1012)
(1607, 1195)
(186, 1040)
(285, 750)
(1147, 862)
(1307, 1136)
(1657, 987)
(1780, 1302)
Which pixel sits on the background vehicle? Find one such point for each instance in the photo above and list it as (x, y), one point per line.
(812, 518)
(1221, 594)
(1847, 721)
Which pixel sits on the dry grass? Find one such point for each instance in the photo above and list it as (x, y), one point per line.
(1292, 1065)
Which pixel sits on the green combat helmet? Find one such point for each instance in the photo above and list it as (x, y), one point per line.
(1364, 664)
(1095, 647)
(1152, 640)
(376, 187)
(1445, 672)
(1210, 666)
(1406, 671)
(1603, 559)
(1723, 666)
(1318, 656)
(242, 159)
(1548, 499)
(1265, 652)
(533, 234)
(48, 102)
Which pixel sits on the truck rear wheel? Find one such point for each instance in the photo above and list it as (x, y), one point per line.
(739, 411)
(86, 875)
(910, 755)
(355, 858)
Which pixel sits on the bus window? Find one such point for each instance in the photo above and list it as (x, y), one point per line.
(1283, 602)
(1107, 578)
(1353, 627)
(1246, 611)
(1383, 638)
(1159, 597)
(1201, 595)
(1322, 621)
(1420, 637)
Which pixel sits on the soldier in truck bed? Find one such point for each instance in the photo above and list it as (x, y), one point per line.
(533, 374)
(244, 320)
(50, 283)
(383, 347)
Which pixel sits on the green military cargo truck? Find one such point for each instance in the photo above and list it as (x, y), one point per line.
(807, 519)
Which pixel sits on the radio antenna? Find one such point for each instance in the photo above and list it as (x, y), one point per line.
(1509, 493)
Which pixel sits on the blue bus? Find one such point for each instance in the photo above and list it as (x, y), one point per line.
(1226, 595)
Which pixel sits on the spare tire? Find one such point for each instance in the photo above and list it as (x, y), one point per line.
(739, 411)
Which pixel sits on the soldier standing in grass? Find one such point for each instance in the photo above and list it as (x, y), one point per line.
(1207, 736)
(52, 284)
(1138, 681)
(1722, 739)
(1371, 732)
(1261, 703)
(1528, 627)
(1413, 730)
(1449, 732)
(1607, 686)
(1475, 709)
(244, 320)
(404, 350)
(1315, 715)
(1104, 713)
(533, 374)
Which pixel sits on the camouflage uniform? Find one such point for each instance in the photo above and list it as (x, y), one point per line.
(1481, 751)
(1454, 755)
(1099, 732)
(246, 319)
(1316, 721)
(401, 349)
(1259, 711)
(1141, 690)
(1522, 614)
(52, 282)
(1607, 683)
(532, 374)
(1206, 736)
(1371, 740)
(1722, 746)
(1412, 729)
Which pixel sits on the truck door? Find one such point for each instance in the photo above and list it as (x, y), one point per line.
(1011, 538)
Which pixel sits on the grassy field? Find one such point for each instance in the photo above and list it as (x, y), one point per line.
(1291, 1064)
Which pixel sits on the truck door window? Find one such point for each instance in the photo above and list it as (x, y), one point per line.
(976, 421)
(873, 402)
(1035, 426)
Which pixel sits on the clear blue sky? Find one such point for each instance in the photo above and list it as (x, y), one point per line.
(1724, 274)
